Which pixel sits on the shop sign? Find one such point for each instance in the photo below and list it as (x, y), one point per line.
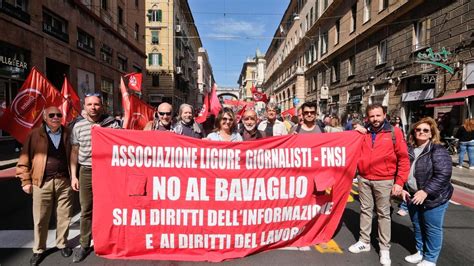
(428, 79)
(13, 62)
(420, 95)
(435, 58)
(357, 98)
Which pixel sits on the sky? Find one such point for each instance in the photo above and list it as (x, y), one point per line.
(232, 30)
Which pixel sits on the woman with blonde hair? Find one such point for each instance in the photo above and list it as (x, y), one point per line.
(226, 126)
(334, 125)
(465, 135)
(428, 190)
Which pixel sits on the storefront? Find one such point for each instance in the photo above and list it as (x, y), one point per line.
(354, 100)
(14, 67)
(413, 99)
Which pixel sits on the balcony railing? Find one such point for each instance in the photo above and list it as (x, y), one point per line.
(55, 32)
(15, 12)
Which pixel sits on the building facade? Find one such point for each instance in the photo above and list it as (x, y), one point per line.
(92, 42)
(252, 74)
(205, 75)
(172, 46)
(345, 55)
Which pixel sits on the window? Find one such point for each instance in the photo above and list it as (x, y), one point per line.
(306, 22)
(155, 39)
(367, 10)
(323, 78)
(122, 63)
(136, 3)
(351, 70)
(120, 15)
(135, 32)
(353, 18)
(106, 54)
(382, 52)
(335, 71)
(316, 10)
(107, 88)
(336, 34)
(137, 69)
(55, 26)
(324, 43)
(103, 4)
(85, 42)
(421, 34)
(383, 4)
(155, 59)
(22, 4)
(325, 4)
(311, 13)
(315, 82)
(154, 15)
(155, 80)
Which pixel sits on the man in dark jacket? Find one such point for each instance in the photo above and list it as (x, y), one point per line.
(44, 172)
(186, 125)
(249, 130)
(383, 171)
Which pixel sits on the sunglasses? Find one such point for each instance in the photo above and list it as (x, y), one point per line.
(58, 115)
(225, 119)
(309, 112)
(164, 113)
(95, 94)
(425, 130)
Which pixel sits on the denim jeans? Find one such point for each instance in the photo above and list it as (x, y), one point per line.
(469, 147)
(428, 228)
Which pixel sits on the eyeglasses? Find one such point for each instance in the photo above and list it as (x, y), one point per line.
(58, 115)
(425, 130)
(225, 119)
(95, 94)
(309, 112)
(164, 113)
(249, 118)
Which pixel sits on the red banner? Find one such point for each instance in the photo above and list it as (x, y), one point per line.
(25, 112)
(158, 195)
(140, 113)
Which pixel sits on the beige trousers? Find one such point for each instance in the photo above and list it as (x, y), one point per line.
(55, 193)
(375, 193)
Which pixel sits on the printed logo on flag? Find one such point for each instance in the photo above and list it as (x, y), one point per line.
(132, 81)
(28, 106)
(137, 120)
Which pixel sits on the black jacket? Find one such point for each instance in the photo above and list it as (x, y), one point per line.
(433, 174)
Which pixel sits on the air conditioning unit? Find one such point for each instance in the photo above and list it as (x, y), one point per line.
(155, 98)
(324, 93)
(179, 70)
(178, 28)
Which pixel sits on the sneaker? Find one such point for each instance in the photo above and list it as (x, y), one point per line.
(402, 212)
(459, 166)
(359, 247)
(471, 167)
(385, 257)
(414, 258)
(426, 263)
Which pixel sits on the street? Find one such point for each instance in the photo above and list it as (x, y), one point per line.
(16, 236)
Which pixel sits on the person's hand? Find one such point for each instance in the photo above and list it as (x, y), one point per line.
(419, 197)
(397, 190)
(28, 189)
(405, 196)
(360, 129)
(75, 183)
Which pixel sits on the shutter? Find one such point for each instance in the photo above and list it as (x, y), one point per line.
(160, 59)
(159, 15)
(150, 60)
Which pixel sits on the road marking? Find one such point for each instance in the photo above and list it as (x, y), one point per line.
(296, 248)
(25, 238)
(329, 247)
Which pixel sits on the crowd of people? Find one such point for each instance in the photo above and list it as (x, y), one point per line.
(57, 160)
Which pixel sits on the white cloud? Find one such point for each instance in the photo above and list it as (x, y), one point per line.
(231, 29)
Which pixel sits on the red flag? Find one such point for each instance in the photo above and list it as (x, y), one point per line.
(25, 112)
(202, 116)
(140, 113)
(135, 81)
(253, 89)
(125, 104)
(214, 104)
(71, 106)
(240, 113)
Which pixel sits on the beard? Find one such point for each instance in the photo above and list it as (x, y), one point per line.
(249, 128)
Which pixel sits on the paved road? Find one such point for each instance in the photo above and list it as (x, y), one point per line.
(16, 238)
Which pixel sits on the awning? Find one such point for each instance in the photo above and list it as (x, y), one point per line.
(419, 95)
(451, 99)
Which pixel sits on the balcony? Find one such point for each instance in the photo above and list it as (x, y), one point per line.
(86, 48)
(55, 32)
(15, 12)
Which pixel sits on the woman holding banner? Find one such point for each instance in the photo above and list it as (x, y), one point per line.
(225, 127)
(429, 190)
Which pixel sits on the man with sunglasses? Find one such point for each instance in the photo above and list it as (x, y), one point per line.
(249, 130)
(383, 170)
(163, 118)
(81, 155)
(271, 125)
(43, 170)
(310, 123)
